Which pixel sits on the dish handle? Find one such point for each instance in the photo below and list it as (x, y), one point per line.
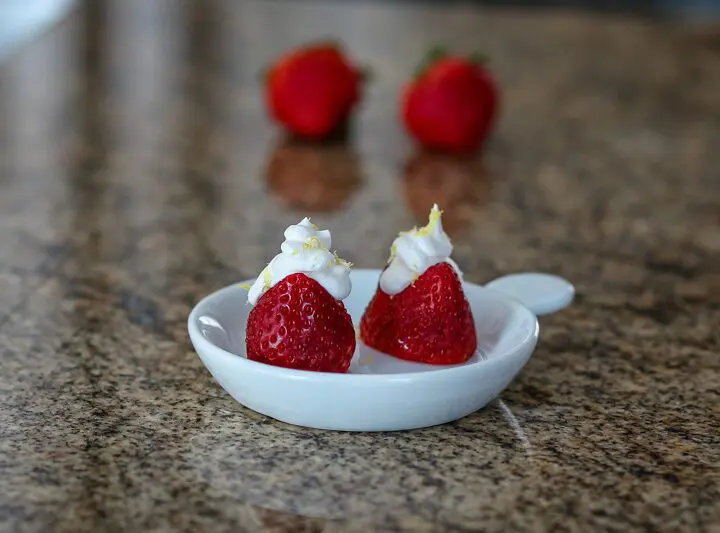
(542, 294)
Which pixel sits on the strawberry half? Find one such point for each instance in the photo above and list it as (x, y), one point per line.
(428, 322)
(451, 104)
(298, 324)
(312, 90)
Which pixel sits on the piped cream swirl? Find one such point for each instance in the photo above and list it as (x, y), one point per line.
(414, 251)
(306, 250)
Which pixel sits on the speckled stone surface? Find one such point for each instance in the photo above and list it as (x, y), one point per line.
(138, 173)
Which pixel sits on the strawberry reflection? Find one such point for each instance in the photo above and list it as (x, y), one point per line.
(458, 184)
(313, 177)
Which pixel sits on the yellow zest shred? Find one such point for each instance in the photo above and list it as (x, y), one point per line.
(342, 262)
(393, 253)
(267, 277)
(311, 243)
(433, 221)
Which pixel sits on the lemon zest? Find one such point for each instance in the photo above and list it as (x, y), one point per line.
(245, 286)
(393, 253)
(267, 277)
(340, 261)
(433, 221)
(312, 243)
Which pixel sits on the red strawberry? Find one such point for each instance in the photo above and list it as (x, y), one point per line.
(429, 322)
(298, 324)
(452, 103)
(312, 90)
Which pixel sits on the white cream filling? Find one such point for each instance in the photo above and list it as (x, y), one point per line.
(306, 250)
(414, 251)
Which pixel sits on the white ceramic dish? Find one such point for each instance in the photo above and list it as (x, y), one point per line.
(380, 392)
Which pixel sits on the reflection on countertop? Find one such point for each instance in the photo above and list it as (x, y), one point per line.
(313, 177)
(460, 185)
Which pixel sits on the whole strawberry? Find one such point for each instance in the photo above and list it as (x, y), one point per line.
(298, 324)
(451, 104)
(428, 322)
(312, 90)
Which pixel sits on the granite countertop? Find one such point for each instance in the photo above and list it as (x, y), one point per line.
(138, 173)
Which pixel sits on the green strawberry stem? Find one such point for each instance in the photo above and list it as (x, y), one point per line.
(435, 53)
(479, 58)
(366, 74)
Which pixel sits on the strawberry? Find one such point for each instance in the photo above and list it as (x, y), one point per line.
(298, 324)
(312, 90)
(451, 104)
(428, 322)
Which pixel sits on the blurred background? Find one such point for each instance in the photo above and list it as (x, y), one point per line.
(152, 92)
(20, 19)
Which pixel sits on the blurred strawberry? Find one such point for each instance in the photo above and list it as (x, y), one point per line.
(451, 104)
(312, 90)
